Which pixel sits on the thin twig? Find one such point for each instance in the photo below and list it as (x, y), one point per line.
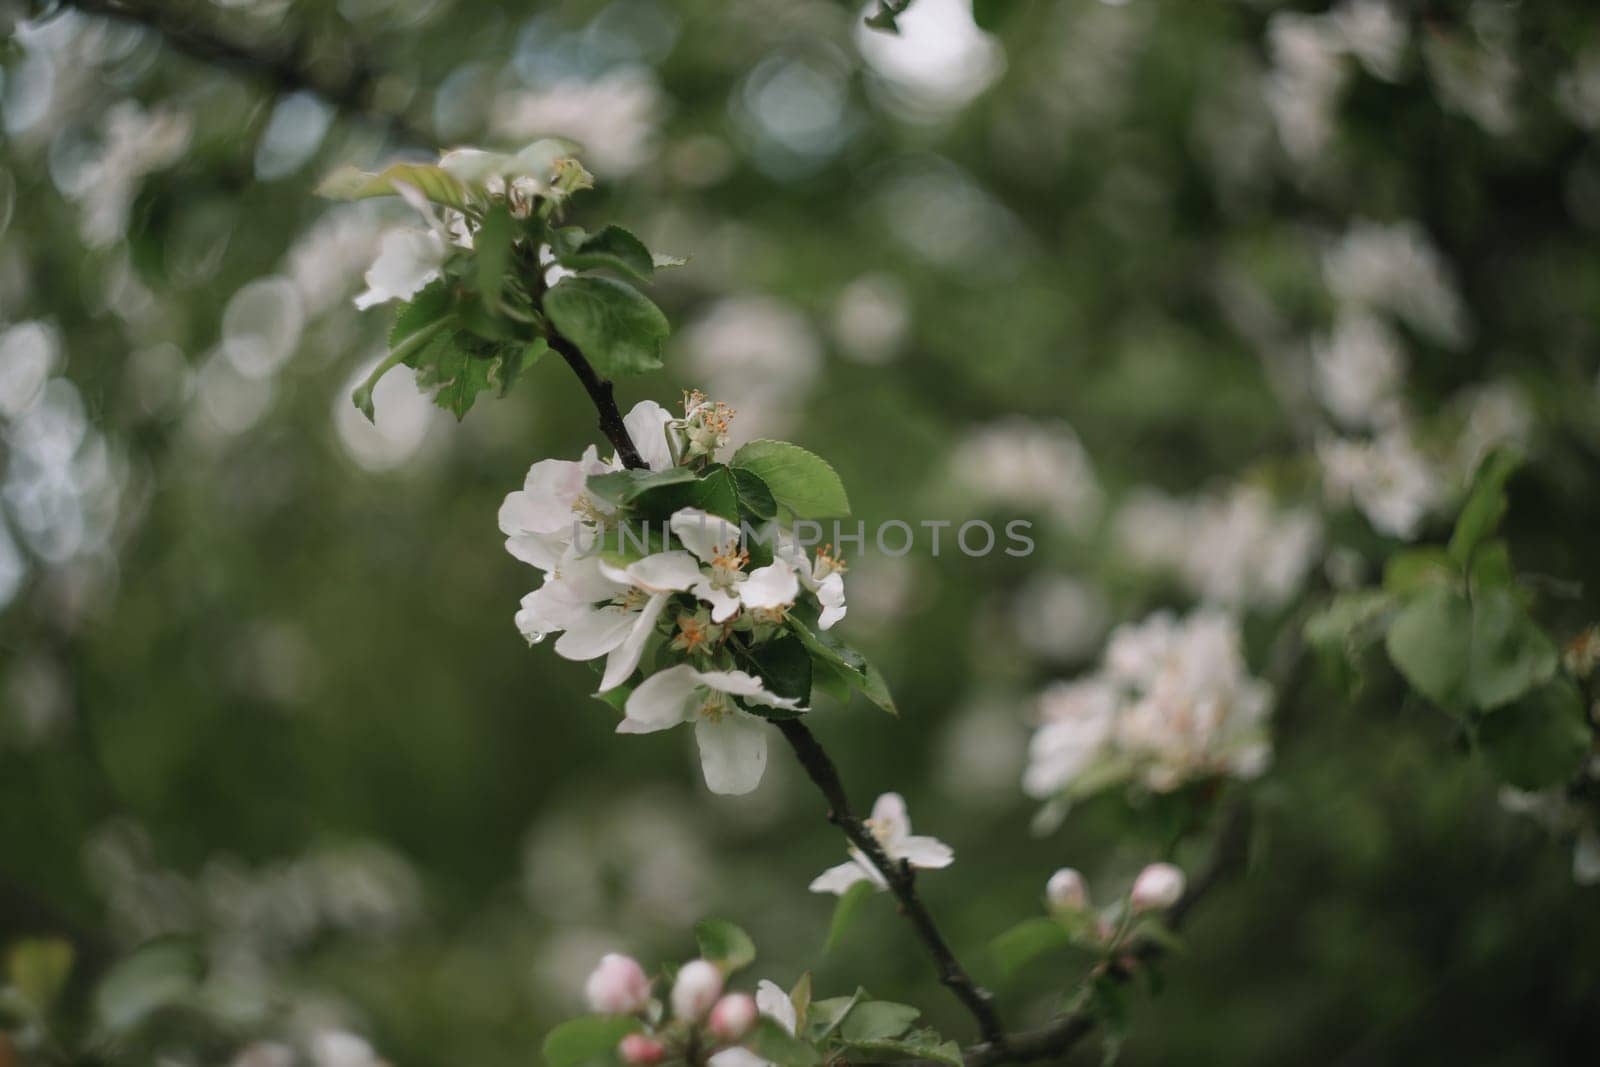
(901, 879)
(600, 391)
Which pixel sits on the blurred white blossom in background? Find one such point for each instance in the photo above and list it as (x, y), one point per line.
(1027, 463)
(758, 354)
(1172, 701)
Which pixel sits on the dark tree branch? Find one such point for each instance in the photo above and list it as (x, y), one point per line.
(900, 877)
(599, 390)
(285, 67)
(901, 880)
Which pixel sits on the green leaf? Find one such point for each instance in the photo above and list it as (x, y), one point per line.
(511, 360)
(1431, 644)
(155, 976)
(826, 1015)
(852, 904)
(1028, 940)
(38, 969)
(878, 1020)
(1349, 620)
(800, 999)
(619, 488)
(829, 680)
(772, 1042)
(724, 944)
(433, 302)
(586, 1038)
(613, 248)
(1482, 652)
(1510, 654)
(1491, 567)
(628, 542)
(1411, 570)
(614, 325)
(755, 499)
(1541, 740)
(715, 493)
(784, 666)
(1485, 506)
(433, 182)
(798, 480)
(455, 375)
(834, 652)
(918, 1045)
(492, 250)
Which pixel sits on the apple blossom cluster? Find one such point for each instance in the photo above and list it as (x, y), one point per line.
(693, 615)
(1173, 701)
(1072, 920)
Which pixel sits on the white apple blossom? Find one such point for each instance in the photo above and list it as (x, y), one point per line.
(1158, 887)
(821, 574)
(554, 508)
(617, 986)
(695, 990)
(890, 825)
(1173, 700)
(408, 259)
(716, 543)
(732, 742)
(1393, 484)
(604, 610)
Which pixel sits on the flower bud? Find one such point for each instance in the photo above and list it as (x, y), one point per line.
(1067, 891)
(617, 986)
(698, 986)
(733, 1017)
(1157, 888)
(640, 1049)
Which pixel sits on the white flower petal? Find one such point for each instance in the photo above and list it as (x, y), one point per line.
(839, 879)
(407, 260)
(889, 812)
(724, 605)
(664, 572)
(924, 852)
(775, 1004)
(733, 752)
(625, 657)
(594, 633)
(830, 594)
(662, 701)
(772, 586)
(647, 426)
(738, 1057)
(702, 533)
(741, 684)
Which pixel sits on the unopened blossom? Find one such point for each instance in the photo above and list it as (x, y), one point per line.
(695, 990)
(1067, 891)
(641, 1050)
(890, 826)
(732, 1017)
(724, 583)
(617, 986)
(732, 742)
(773, 1003)
(1158, 887)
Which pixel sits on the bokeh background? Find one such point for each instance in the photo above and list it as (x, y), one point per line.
(1178, 280)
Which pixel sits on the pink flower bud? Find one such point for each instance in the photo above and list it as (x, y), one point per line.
(1067, 891)
(1157, 888)
(617, 986)
(698, 986)
(733, 1017)
(641, 1050)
